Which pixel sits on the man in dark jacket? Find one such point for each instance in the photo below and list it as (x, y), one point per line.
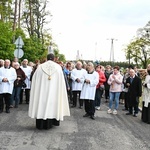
(134, 85)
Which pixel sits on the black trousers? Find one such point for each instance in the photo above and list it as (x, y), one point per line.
(46, 124)
(27, 95)
(126, 105)
(5, 97)
(146, 113)
(89, 107)
(106, 94)
(135, 106)
(75, 98)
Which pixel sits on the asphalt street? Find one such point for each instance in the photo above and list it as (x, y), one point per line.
(106, 132)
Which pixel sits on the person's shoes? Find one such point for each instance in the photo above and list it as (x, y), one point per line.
(98, 108)
(27, 102)
(7, 111)
(92, 117)
(1, 111)
(109, 111)
(11, 106)
(135, 115)
(16, 106)
(73, 106)
(106, 101)
(114, 112)
(128, 113)
(125, 109)
(86, 115)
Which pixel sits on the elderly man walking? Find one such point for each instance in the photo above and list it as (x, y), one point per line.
(134, 85)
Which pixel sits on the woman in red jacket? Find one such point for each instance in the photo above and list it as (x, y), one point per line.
(99, 87)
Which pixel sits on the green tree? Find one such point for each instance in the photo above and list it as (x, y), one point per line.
(6, 46)
(5, 10)
(138, 50)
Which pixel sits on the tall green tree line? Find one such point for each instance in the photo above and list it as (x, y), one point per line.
(25, 18)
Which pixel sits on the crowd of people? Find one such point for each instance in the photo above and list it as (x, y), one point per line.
(85, 84)
(112, 83)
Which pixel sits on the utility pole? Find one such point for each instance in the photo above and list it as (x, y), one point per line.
(112, 50)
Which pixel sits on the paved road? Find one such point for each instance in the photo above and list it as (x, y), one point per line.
(107, 132)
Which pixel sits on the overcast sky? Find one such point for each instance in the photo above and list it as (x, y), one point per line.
(80, 24)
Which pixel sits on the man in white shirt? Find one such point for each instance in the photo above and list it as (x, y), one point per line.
(27, 70)
(91, 79)
(7, 77)
(77, 76)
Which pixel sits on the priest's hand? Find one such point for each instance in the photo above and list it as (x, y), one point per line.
(78, 80)
(5, 80)
(87, 81)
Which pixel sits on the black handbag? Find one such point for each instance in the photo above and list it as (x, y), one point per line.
(24, 85)
(101, 87)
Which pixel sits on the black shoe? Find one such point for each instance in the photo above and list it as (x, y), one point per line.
(135, 115)
(16, 106)
(73, 106)
(1, 111)
(92, 117)
(128, 113)
(7, 111)
(86, 115)
(27, 102)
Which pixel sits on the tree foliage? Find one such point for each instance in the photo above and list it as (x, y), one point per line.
(138, 50)
(30, 26)
(6, 45)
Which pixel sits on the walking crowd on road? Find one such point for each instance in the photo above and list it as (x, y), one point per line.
(85, 84)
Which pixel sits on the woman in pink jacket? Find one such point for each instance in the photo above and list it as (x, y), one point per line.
(115, 82)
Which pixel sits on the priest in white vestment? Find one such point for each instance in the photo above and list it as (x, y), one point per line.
(91, 79)
(146, 98)
(48, 98)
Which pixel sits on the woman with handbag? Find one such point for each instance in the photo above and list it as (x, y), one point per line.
(99, 87)
(18, 84)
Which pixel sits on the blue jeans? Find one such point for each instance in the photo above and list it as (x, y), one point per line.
(114, 96)
(15, 96)
(98, 96)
